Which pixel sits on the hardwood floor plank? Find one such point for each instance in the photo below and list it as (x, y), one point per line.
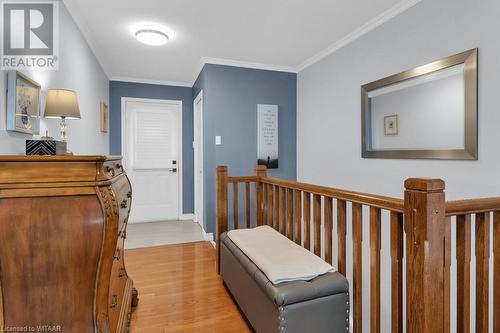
(180, 291)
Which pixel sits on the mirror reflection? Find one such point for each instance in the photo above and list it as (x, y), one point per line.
(426, 112)
(422, 113)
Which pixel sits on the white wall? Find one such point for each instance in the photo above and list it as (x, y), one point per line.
(78, 70)
(329, 112)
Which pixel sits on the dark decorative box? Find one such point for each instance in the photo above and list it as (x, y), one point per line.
(45, 147)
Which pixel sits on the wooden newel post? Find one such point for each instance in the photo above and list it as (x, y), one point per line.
(259, 171)
(221, 207)
(425, 230)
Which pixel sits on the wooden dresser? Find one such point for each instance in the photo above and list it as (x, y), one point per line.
(63, 223)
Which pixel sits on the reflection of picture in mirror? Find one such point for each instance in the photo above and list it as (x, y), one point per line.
(391, 125)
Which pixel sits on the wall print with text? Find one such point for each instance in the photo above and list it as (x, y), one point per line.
(267, 135)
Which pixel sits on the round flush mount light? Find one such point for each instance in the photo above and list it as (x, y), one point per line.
(151, 36)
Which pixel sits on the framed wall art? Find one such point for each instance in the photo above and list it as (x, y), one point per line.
(23, 104)
(104, 117)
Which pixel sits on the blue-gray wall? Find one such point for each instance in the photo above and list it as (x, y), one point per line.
(118, 89)
(230, 98)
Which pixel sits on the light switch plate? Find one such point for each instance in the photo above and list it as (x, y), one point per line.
(218, 140)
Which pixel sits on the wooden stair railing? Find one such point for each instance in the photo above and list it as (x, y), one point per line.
(311, 215)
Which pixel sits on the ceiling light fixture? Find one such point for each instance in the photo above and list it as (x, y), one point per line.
(151, 36)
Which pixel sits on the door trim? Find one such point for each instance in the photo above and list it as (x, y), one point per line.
(180, 165)
(198, 188)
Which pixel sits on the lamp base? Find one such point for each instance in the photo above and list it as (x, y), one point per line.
(63, 129)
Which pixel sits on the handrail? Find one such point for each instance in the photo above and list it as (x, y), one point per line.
(453, 208)
(472, 206)
(378, 201)
(242, 179)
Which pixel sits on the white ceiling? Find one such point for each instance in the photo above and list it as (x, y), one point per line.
(283, 35)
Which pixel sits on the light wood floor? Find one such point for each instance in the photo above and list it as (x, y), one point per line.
(180, 291)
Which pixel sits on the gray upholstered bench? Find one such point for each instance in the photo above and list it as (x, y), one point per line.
(316, 306)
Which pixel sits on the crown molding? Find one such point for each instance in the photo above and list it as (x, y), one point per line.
(151, 81)
(242, 64)
(74, 12)
(246, 64)
(364, 29)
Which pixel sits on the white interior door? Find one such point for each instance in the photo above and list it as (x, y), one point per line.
(198, 158)
(151, 157)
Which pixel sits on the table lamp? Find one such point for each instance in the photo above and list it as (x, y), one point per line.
(62, 104)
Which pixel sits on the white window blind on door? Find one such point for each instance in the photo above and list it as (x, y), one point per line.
(154, 139)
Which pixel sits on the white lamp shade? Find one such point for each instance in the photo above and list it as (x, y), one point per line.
(61, 103)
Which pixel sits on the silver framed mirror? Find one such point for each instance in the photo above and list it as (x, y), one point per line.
(428, 112)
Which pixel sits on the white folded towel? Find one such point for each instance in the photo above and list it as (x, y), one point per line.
(277, 257)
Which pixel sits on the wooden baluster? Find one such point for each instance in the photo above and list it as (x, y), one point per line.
(397, 272)
(375, 246)
(307, 220)
(341, 234)
(247, 204)
(276, 206)
(317, 224)
(463, 245)
(259, 172)
(289, 213)
(221, 207)
(264, 204)
(496, 272)
(328, 228)
(482, 270)
(282, 211)
(425, 238)
(298, 217)
(235, 206)
(357, 265)
(447, 278)
(270, 207)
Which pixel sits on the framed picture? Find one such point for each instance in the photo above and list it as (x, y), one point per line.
(23, 104)
(391, 125)
(104, 117)
(267, 135)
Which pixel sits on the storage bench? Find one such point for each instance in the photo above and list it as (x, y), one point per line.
(315, 306)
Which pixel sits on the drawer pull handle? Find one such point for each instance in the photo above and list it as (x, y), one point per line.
(114, 301)
(121, 272)
(124, 204)
(118, 254)
(119, 166)
(110, 170)
(129, 194)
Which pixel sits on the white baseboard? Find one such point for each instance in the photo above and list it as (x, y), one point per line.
(207, 236)
(186, 217)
